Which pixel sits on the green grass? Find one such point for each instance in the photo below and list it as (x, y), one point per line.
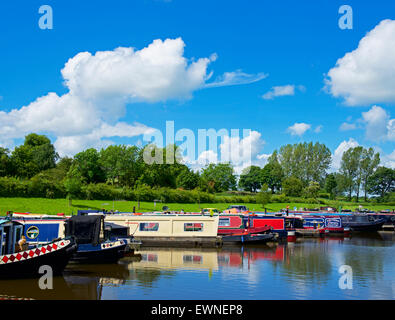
(54, 206)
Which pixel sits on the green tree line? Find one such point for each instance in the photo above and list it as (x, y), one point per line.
(298, 170)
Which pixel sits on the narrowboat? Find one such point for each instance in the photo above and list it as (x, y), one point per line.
(363, 223)
(113, 240)
(94, 244)
(326, 225)
(236, 229)
(183, 230)
(280, 224)
(17, 260)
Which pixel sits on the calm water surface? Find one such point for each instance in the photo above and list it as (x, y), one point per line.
(307, 269)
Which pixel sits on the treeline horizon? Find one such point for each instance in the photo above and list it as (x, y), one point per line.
(34, 168)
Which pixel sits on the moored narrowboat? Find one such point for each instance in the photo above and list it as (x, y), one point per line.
(363, 222)
(236, 229)
(17, 260)
(94, 245)
(97, 242)
(183, 230)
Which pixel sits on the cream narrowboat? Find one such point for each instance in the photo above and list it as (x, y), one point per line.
(170, 229)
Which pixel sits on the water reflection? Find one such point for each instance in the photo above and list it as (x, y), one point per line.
(306, 269)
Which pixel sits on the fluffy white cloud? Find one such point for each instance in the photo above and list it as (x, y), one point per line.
(156, 73)
(379, 126)
(102, 84)
(388, 160)
(338, 154)
(279, 91)
(298, 129)
(240, 152)
(366, 75)
(70, 145)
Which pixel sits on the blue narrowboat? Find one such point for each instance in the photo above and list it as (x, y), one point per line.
(98, 242)
(17, 260)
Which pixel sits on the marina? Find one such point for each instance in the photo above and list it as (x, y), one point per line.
(208, 255)
(305, 269)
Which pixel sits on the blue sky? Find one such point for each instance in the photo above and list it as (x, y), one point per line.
(292, 43)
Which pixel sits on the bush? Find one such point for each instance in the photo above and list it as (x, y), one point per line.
(100, 191)
(312, 201)
(279, 198)
(323, 195)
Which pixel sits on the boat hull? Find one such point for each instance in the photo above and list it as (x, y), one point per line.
(248, 238)
(27, 264)
(100, 254)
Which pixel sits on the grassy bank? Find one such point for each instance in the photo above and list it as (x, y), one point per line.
(54, 206)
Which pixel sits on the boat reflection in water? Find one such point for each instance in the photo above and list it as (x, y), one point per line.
(79, 282)
(204, 259)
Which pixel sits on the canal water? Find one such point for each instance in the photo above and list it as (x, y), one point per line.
(306, 269)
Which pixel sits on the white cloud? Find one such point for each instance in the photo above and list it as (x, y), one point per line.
(338, 154)
(240, 152)
(347, 126)
(379, 126)
(318, 129)
(298, 129)
(366, 75)
(388, 160)
(156, 73)
(102, 84)
(235, 78)
(70, 145)
(279, 91)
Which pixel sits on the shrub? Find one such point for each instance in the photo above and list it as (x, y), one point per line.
(279, 198)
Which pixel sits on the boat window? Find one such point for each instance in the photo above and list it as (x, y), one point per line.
(224, 222)
(193, 226)
(149, 226)
(18, 234)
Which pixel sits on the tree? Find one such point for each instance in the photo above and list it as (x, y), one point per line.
(369, 162)
(73, 186)
(272, 174)
(5, 162)
(86, 165)
(250, 179)
(264, 196)
(350, 170)
(331, 185)
(120, 164)
(312, 190)
(187, 179)
(220, 176)
(64, 164)
(160, 166)
(305, 161)
(292, 186)
(35, 155)
(382, 182)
